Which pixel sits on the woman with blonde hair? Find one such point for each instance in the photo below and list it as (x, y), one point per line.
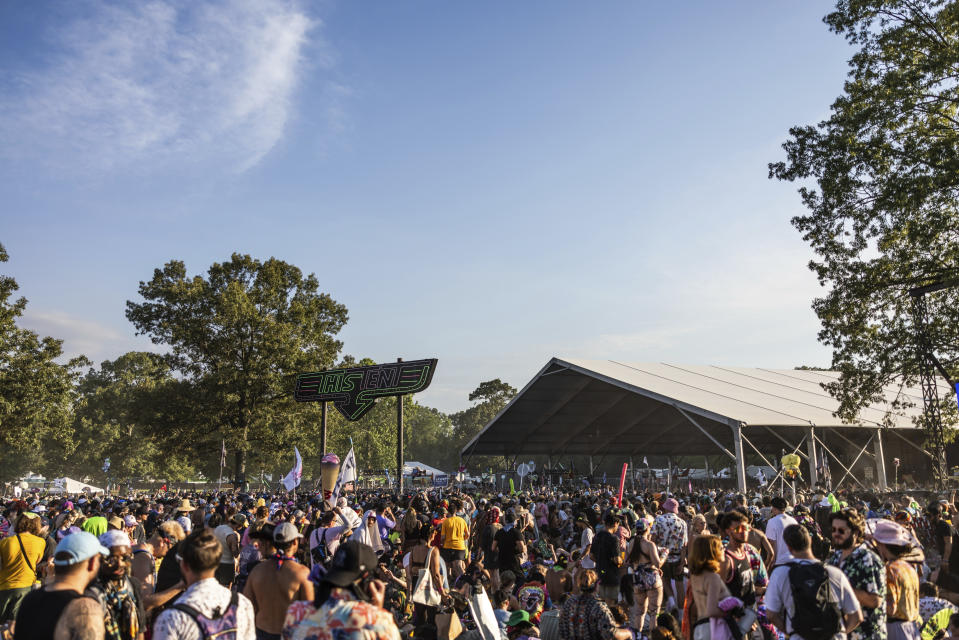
(706, 556)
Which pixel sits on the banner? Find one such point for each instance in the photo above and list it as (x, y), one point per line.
(292, 479)
(347, 473)
(222, 453)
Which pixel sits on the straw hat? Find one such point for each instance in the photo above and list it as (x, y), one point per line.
(185, 506)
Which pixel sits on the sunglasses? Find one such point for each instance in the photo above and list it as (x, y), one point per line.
(112, 559)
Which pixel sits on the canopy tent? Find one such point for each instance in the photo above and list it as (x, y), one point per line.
(426, 469)
(593, 407)
(69, 485)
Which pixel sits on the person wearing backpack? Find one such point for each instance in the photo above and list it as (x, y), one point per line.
(806, 599)
(326, 537)
(206, 609)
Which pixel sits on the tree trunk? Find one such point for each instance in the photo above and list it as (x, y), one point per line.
(239, 480)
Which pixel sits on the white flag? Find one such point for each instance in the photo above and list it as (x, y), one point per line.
(347, 473)
(762, 478)
(645, 462)
(292, 479)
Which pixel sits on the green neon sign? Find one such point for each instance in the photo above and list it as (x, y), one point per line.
(354, 390)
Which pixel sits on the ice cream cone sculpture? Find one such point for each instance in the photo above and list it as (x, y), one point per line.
(329, 471)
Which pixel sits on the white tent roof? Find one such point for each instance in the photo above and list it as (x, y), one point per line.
(575, 406)
(69, 485)
(409, 466)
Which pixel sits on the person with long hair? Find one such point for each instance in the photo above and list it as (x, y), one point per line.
(646, 565)
(706, 556)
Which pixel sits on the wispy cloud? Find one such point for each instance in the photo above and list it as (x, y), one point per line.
(84, 337)
(163, 80)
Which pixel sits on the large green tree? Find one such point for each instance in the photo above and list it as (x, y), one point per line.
(880, 180)
(239, 336)
(488, 399)
(36, 391)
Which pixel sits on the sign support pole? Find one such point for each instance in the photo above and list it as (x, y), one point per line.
(323, 430)
(399, 441)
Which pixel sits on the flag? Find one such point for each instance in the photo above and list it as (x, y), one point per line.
(762, 478)
(222, 453)
(645, 461)
(347, 473)
(292, 479)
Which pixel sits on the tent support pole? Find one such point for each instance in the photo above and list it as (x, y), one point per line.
(706, 433)
(880, 460)
(758, 452)
(848, 469)
(836, 433)
(795, 448)
(813, 458)
(911, 444)
(737, 428)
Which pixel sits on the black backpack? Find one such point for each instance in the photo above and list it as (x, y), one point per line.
(817, 614)
(320, 553)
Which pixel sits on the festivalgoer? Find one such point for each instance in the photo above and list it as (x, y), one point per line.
(902, 583)
(276, 582)
(606, 553)
(586, 616)
(778, 521)
(21, 555)
(206, 605)
(120, 597)
(671, 533)
(646, 565)
(509, 546)
(706, 557)
(59, 609)
(325, 538)
(348, 603)
(229, 537)
(863, 568)
(147, 556)
(742, 569)
(183, 515)
(453, 534)
(781, 605)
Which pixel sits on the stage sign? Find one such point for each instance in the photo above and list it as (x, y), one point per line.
(354, 391)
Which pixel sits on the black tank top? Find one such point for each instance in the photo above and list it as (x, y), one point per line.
(741, 583)
(40, 612)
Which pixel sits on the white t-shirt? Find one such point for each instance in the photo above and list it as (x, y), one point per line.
(585, 540)
(774, 531)
(779, 597)
(222, 533)
(186, 523)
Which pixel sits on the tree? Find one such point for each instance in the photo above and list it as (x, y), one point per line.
(35, 391)
(239, 337)
(883, 211)
(490, 398)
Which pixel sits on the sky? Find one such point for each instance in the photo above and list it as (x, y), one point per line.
(488, 183)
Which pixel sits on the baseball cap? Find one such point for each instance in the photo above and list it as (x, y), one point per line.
(115, 538)
(351, 562)
(77, 547)
(286, 532)
(519, 617)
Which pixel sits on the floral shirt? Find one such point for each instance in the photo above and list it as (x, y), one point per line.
(670, 533)
(338, 619)
(865, 572)
(586, 617)
(902, 584)
(929, 607)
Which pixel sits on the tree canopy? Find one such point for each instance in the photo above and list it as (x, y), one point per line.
(239, 336)
(880, 178)
(36, 392)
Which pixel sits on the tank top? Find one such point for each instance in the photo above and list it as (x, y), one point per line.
(40, 612)
(741, 582)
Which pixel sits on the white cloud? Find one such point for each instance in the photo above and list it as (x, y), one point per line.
(163, 80)
(84, 337)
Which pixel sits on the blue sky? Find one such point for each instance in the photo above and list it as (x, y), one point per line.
(491, 184)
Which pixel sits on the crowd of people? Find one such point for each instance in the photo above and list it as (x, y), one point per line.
(556, 563)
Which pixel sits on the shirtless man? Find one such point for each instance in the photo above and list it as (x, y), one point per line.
(276, 582)
(60, 610)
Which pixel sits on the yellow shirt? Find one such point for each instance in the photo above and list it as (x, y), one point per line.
(14, 572)
(454, 532)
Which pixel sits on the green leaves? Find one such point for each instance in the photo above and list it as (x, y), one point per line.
(880, 178)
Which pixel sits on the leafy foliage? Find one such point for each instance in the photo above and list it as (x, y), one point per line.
(882, 213)
(239, 337)
(35, 391)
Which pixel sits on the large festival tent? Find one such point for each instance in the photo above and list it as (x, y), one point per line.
(575, 407)
(69, 485)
